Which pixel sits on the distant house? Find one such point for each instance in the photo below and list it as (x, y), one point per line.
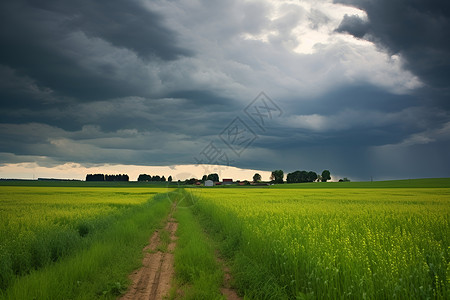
(209, 183)
(227, 181)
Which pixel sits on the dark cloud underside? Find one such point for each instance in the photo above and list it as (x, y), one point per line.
(42, 40)
(363, 92)
(353, 25)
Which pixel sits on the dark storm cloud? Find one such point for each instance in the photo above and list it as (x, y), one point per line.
(355, 96)
(125, 24)
(61, 44)
(207, 101)
(416, 29)
(126, 130)
(353, 25)
(153, 83)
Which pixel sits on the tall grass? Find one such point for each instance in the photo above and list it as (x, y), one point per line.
(198, 274)
(60, 235)
(334, 243)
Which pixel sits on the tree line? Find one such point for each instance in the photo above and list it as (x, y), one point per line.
(106, 177)
(213, 177)
(299, 176)
(146, 177)
(277, 176)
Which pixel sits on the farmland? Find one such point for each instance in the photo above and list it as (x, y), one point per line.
(333, 243)
(299, 241)
(52, 237)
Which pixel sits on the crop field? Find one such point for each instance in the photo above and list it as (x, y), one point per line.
(381, 240)
(333, 243)
(43, 225)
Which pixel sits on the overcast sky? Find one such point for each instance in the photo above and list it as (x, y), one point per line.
(359, 87)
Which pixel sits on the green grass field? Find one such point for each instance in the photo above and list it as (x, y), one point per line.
(76, 183)
(333, 243)
(53, 237)
(357, 240)
(406, 183)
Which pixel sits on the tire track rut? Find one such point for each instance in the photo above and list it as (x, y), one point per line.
(153, 280)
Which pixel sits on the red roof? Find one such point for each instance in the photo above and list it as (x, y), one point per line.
(228, 180)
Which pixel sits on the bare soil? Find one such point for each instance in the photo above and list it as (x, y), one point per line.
(153, 280)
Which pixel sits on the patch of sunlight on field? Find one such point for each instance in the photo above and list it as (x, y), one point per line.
(24, 208)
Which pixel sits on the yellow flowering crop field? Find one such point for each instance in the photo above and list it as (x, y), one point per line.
(341, 243)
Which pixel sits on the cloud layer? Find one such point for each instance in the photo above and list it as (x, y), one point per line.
(360, 83)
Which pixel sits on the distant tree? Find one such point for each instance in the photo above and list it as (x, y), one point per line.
(103, 177)
(163, 178)
(122, 177)
(170, 178)
(214, 177)
(277, 176)
(303, 176)
(289, 178)
(204, 178)
(190, 181)
(312, 176)
(256, 178)
(156, 178)
(144, 177)
(326, 175)
(293, 177)
(95, 177)
(344, 180)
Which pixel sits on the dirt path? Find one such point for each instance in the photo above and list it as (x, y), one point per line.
(153, 280)
(226, 289)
